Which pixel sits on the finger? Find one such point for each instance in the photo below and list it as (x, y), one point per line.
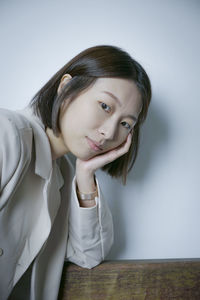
(120, 150)
(124, 147)
(101, 160)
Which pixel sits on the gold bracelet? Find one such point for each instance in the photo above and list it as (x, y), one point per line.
(86, 197)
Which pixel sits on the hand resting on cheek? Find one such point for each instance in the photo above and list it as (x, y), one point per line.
(101, 160)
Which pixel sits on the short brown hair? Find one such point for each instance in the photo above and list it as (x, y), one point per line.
(85, 68)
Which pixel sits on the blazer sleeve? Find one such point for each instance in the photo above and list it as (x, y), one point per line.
(90, 231)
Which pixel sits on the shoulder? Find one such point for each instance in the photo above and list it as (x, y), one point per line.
(16, 144)
(15, 133)
(12, 121)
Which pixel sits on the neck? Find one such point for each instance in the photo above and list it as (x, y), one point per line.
(58, 148)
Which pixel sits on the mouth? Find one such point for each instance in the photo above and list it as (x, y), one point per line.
(93, 145)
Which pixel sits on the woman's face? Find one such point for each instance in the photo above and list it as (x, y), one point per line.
(96, 122)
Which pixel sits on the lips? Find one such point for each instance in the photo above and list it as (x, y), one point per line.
(94, 145)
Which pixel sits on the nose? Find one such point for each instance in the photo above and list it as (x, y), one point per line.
(108, 130)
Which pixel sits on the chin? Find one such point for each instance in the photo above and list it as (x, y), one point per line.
(83, 156)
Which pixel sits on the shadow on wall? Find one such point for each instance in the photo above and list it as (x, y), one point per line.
(154, 136)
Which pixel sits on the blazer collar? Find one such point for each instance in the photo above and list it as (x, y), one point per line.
(43, 161)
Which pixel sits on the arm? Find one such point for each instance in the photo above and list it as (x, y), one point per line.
(91, 225)
(90, 231)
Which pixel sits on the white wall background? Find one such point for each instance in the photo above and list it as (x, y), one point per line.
(157, 214)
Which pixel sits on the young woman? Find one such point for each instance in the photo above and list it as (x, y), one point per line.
(93, 108)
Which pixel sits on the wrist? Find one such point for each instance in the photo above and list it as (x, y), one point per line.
(87, 196)
(85, 183)
(86, 199)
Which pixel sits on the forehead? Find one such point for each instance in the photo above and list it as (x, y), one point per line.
(124, 89)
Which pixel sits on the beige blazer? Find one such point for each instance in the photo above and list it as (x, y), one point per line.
(41, 222)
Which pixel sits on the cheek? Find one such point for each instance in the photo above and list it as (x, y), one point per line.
(123, 133)
(89, 117)
(95, 117)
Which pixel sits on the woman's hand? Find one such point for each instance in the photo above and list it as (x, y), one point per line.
(85, 169)
(99, 161)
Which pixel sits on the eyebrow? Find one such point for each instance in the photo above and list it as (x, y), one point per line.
(119, 103)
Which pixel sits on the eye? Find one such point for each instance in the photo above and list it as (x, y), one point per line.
(126, 125)
(105, 107)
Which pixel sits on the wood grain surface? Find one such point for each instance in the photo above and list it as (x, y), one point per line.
(133, 279)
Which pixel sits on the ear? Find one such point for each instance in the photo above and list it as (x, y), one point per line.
(63, 81)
